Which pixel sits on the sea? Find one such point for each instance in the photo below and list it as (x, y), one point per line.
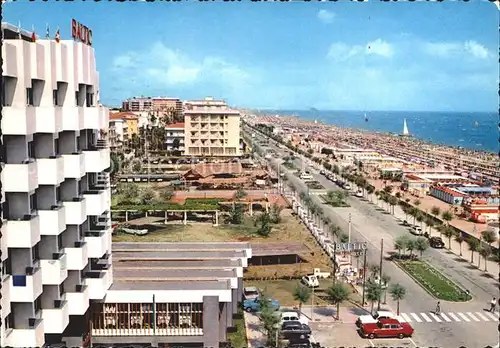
(473, 130)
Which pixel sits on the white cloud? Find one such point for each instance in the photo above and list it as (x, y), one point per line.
(380, 48)
(341, 51)
(448, 49)
(326, 16)
(476, 49)
(167, 67)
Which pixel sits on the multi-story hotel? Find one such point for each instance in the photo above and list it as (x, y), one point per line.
(59, 285)
(137, 104)
(56, 233)
(211, 128)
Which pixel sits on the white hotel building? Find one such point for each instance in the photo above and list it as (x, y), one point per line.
(56, 233)
(59, 285)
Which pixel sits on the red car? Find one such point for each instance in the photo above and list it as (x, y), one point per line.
(386, 328)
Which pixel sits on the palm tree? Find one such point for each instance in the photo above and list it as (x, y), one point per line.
(459, 238)
(485, 252)
(473, 246)
(302, 295)
(420, 218)
(430, 223)
(417, 202)
(398, 293)
(373, 293)
(337, 293)
(447, 216)
(370, 189)
(449, 232)
(435, 210)
(489, 236)
(335, 230)
(421, 245)
(374, 270)
(385, 281)
(393, 201)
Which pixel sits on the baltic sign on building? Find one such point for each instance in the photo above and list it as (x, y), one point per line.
(81, 33)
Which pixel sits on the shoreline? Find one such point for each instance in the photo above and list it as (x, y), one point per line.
(413, 139)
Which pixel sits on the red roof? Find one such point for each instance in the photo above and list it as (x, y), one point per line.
(413, 177)
(123, 116)
(450, 191)
(175, 125)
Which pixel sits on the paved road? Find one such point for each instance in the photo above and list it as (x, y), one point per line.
(371, 226)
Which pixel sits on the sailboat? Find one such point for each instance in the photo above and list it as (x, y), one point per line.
(366, 118)
(406, 133)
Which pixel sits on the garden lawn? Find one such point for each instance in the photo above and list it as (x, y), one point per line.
(434, 281)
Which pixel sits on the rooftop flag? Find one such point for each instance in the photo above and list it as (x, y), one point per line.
(47, 33)
(33, 35)
(58, 36)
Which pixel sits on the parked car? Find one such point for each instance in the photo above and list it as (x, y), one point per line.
(310, 281)
(359, 194)
(295, 329)
(253, 305)
(405, 223)
(436, 242)
(293, 316)
(364, 319)
(250, 293)
(416, 230)
(386, 328)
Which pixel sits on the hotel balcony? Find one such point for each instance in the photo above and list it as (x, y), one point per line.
(78, 300)
(72, 119)
(98, 284)
(34, 336)
(21, 177)
(18, 121)
(26, 287)
(57, 317)
(54, 271)
(52, 222)
(74, 166)
(76, 211)
(49, 119)
(5, 301)
(91, 117)
(96, 160)
(23, 233)
(50, 170)
(97, 202)
(77, 256)
(98, 243)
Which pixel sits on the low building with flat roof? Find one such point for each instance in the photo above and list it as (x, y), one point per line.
(171, 293)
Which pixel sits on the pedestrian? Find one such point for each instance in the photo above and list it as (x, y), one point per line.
(438, 308)
(493, 304)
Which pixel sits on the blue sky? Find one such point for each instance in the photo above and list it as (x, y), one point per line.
(335, 56)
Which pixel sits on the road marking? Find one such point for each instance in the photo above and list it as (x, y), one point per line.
(416, 317)
(480, 315)
(435, 317)
(412, 341)
(371, 343)
(406, 317)
(445, 317)
(427, 319)
(464, 317)
(493, 316)
(454, 317)
(473, 316)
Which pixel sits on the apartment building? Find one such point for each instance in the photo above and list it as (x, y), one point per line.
(174, 138)
(137, 104)
(117, 133)
(173, 106)
(56, 233)
(211, 128)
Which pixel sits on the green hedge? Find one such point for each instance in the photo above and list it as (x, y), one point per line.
(190, 204)
(434, 281)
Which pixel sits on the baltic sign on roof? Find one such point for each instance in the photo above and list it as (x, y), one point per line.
(81, 33)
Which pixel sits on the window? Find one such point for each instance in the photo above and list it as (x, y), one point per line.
(33, 205)
(60, 242)
(61, 289)
(9, 321)
(58, 194)
(4, 268)
(38, 304)
(90, 99)
(29, 96)
(35, 254)
(54, 97)
(31, 149)
(56, 147)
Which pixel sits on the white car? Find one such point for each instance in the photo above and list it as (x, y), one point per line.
(293, 316)
(366, 319)
(359, 194)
